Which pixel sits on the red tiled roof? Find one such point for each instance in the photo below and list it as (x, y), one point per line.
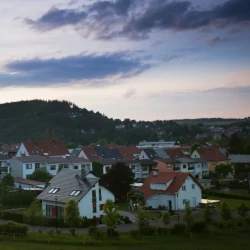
(164, 177)
(39, 147)
(91, 153)
(175, 153)
(28, 182)
(129, 152)
(211, 154)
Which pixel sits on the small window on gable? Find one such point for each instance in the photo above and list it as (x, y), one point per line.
(183, 188)
(53, 190)
(184, 202)
(193, 186)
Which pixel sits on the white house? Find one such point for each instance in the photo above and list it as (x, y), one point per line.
(172, 190)
(26, 165)
(78, 185)
(4, 163)
(157, 144)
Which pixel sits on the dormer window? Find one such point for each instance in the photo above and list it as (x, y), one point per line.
(75, 193)
(53, 190)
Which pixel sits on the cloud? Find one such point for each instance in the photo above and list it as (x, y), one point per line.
(45, 72)
(129, 93)
(136, 19)
(217, 40)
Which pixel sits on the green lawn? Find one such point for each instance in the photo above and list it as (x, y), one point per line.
(205, 242)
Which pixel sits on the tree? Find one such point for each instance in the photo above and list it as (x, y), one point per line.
(34, 215)
(224, 211)
(102, 142)
(223, 170)
(166, 218)
(71, 145)
(118, 180)
(40, 175)
(111, 214)
(8, 180)
(71, 214)
(207, 215)
(142, 220)
(188, 215)
(243, 209)
(235, 144)
(118, 141)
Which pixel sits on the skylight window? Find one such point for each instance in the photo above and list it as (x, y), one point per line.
(53, 190)
(75, 193)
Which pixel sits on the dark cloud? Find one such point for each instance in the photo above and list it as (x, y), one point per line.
(45, 72)
(136, 19)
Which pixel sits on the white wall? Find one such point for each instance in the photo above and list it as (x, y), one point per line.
(143, 155)
(195, 154)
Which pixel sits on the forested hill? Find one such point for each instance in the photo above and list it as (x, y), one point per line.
(37, 118)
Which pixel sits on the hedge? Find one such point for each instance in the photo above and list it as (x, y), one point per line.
(11, 228)
(225, 195)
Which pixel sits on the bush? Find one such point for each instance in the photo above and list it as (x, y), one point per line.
(13, 216)
(225, 195)
(135, 234)
(90, 222)
(112, 233)
(94, 232)
(72, 231)
(12, 227)
(162, 230)
(178, 229)
(198, 227)
(50, 233)
(172, 212)
(148, 231)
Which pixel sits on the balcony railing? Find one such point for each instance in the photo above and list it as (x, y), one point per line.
(190, 168)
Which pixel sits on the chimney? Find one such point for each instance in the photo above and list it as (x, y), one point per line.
(83, 174)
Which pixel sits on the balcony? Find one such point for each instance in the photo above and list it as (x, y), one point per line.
(190, 168)
(177, 168)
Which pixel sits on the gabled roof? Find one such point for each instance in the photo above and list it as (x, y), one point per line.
(178, 179)
(161, 153)
(51, 147)
(211, 154)
(175, 153)
(151, 154)
(91, 153)
(31, 159)
(28, 182)
(107, 161)
(106, 152)
(129, 152)
(66, 182)
(75, 152)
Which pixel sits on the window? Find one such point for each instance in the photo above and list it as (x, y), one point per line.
(100, 194)
(37, 165)
(184, 201)
(169, 166)
(52, 167)
(28, 166)
(144, 168)
(75, 167)
(213, 164)
(48, 211)
(94, 200)
(75, 193)
(183, 188)
(53, 190)
(184, 166)
(193, 186)
(101, 207)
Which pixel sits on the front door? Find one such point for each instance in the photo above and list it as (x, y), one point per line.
(194, 201)
(53, 211)
(170, 205)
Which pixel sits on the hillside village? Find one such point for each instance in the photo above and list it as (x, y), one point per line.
(159, 169)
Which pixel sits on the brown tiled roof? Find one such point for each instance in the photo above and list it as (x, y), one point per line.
(175, 152)
(39, 147)
(129, 152)
(211, 154)
(164, 177)
(91, 153)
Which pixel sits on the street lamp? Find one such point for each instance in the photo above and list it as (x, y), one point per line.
(56, 198)
(177, 207)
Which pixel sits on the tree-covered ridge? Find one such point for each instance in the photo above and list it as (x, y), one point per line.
(38, 118)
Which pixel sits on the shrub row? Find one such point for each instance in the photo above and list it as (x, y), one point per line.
(11, 228)
(225, 195)
(95, 233)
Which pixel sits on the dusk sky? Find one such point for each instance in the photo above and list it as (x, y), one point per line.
(137, 59)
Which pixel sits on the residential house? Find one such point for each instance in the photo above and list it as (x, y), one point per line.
(161, 153)
(42, 147)
(186, 149)
(90, 153)
(129, 152)
(175, 153)
(148, 164)
(148, 153)
(25, 165)
(78, 152)
(82, 186)
(4, 163)
(9, 150)
(240, 159)
(105, 164)
(106, 152)
(212, 155)
(166, 165)
(171, 190)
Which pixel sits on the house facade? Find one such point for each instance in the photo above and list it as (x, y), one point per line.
(78, 185)
(4, 163)
(171, 190)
